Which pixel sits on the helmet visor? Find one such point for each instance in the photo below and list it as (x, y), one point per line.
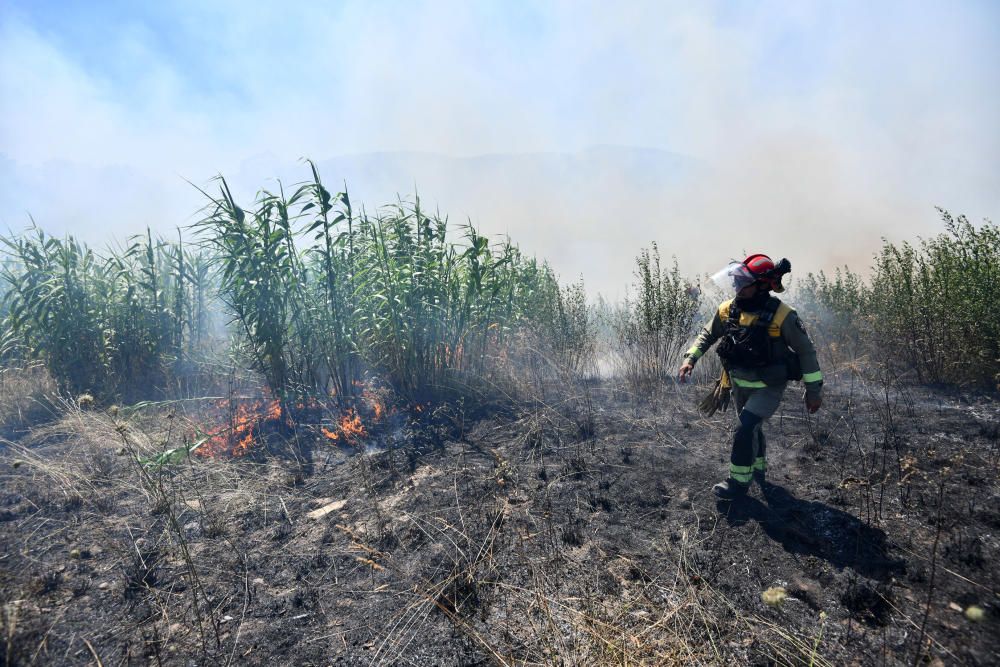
(734, 277)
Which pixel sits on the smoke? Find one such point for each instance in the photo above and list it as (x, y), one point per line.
(584, 133)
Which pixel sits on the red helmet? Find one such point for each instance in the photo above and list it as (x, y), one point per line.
(769, 273)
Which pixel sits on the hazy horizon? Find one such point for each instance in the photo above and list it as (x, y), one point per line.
(809, 131)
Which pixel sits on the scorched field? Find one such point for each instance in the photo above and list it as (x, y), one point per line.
(303, 434)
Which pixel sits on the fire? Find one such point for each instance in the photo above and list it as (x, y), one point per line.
(376, 405)
(349, 428)
(250, 419)
(245, 427)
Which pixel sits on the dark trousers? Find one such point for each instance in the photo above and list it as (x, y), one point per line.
(753, 406)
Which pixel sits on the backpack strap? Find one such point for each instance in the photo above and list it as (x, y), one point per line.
(734, 313)
(728, 309)
(768, 312)
(772, 315)
(781, 313)
(784, 310)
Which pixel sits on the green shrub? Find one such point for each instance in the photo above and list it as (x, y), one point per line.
(653, 328)
(934, 304)
(836, 314)
(928, 308)
(567, 326)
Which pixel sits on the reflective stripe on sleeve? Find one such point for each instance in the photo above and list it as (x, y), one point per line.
(815, 376)
(694, 352)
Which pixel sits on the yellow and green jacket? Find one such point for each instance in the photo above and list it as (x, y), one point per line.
(785, 331)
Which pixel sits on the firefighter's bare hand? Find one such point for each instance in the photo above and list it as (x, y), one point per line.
(813, 403)
(685, 372)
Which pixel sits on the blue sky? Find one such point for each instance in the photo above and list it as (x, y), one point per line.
(861, 114)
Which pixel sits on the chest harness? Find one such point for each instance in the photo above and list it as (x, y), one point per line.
(748, 340)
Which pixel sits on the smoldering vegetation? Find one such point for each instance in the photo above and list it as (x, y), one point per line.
(305, 432)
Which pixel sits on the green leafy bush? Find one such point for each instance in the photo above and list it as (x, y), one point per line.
(834, 309)
(929, 307)
(653, 328)
(574, 331)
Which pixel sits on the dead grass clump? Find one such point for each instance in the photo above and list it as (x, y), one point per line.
(27, 397)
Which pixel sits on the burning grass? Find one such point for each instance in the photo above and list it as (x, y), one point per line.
(348, 429)
(241, 424)
(248, 421)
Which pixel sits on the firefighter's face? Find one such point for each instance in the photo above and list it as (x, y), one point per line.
(747, 291)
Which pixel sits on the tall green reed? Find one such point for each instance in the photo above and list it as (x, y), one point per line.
(112, 324)
(325, 296)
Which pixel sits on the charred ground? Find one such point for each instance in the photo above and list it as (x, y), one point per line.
(579, 530)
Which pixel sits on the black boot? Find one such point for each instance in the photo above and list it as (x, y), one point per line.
(730, 489)
(760, 477)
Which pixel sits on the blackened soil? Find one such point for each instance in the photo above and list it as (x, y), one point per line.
(583, 532)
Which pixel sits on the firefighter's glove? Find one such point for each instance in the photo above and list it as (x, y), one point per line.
(717, 399)
(813, 403)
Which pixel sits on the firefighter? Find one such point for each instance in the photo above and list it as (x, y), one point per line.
(763, 345)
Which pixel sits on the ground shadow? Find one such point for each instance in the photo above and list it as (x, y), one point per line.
(813, 528)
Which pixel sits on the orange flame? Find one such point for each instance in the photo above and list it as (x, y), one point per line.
(377, 406)
(349, 428)
(246, 425)
(248, 421)
(350, 424)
